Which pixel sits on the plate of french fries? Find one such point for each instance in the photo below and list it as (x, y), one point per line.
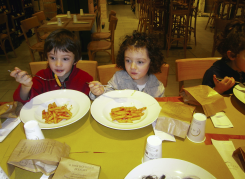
(125, 109)
(55, 109)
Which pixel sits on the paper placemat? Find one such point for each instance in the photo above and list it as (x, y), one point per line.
(87, 15)
(7, 126)
(226, 149)
(53, 23)
(80, 22)
(65, 15)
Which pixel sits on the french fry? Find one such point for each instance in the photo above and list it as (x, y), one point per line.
(56, 114)
(126, 114)
(57, 80)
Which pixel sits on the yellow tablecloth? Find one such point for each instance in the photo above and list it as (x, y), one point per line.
(118, 151)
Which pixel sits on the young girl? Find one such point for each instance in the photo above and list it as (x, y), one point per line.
(231, 67)
(140, 57)
(62, 50)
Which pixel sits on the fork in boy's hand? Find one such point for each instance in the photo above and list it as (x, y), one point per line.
(38, 77)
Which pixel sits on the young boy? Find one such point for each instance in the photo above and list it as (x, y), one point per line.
(231, 67)
(62, 50)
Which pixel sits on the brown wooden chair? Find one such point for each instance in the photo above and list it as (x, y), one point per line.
(26, 25)
(219, 28)
(3, 36)
(192, 68)
(103, 35)
(194, 11)
(88, 66)
(103, 45)
(163, 76)
(178, 24)
(214, 13)
(106, 72)
(98, 19)
(41, 18)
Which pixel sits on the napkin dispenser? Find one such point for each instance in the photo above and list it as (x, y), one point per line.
(239, 156)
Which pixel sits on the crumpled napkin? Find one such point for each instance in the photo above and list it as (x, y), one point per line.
(10, 110)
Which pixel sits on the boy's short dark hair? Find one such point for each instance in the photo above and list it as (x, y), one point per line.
(138, 41)
(63, 40)
(233, 39)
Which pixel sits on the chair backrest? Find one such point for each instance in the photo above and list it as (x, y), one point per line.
(106, 72)
(88, 66)
(4, 20)
(163, 76)
(41, 16)
(112, 27)
(192, 68)
(220, 25)
(28, 24)
(112, 13)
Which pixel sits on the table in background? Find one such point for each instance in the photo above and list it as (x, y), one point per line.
(122, 150)
(83, 31)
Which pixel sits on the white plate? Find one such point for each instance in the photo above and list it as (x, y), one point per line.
(171, 168)
(101, 108)
(239, 94)
(33, 109)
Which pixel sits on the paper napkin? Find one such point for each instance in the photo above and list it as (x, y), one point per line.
(64, 15)
(226, 149)
(7, 126)
(53, 23)
(87, 15)
(220, 120)
(163, 135)
(81, 22)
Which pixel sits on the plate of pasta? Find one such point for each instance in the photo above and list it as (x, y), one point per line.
(55, 109)
(169, 168)
(125, 109)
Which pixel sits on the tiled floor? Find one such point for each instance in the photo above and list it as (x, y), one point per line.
(127, 22)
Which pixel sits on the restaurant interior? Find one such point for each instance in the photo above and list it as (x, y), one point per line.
(194, 142)
(127, 23)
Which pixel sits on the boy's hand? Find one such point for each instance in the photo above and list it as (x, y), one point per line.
(224, 85)
(22, 77)
(96, 88)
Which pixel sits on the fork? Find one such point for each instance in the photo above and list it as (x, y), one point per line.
(105, 86)
(38, 77)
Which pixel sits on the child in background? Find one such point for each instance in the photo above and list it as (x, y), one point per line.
(140, 57)
(62, 50)
(231, 67)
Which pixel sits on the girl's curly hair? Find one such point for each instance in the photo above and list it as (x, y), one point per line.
(138, 41)
(233, 39)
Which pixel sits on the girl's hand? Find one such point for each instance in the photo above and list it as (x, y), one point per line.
(96, 88)
(224, 85)
(22, 77)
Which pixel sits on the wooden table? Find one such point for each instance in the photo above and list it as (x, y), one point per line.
(123, 150)
(68, 24)
(83, 31)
